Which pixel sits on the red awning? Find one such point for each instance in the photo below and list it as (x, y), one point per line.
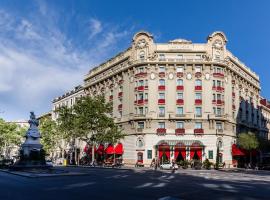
(100, 149)
(236, 151)
(88, 149)
(119, 149)
(109, 149)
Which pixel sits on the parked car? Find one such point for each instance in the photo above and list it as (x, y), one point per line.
(168, 166)
(49, 163)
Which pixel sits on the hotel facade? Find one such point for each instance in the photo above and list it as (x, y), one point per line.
(180, 100)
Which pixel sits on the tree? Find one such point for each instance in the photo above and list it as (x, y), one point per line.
(50, 135)
(249, 142)
(89, 120)
(11, 136)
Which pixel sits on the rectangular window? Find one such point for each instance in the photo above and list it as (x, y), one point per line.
(140, 69)
(198, 69)
(179, 124)
(140, 110)
(198, 96)
(146, 110)
(161, 95)
(214, 110)
(198, 125)
(161, 69)
(146, 95)
(218, 96)
(161, 124)
(198, 82)
(198, 111)
(120, 113)
(161, 56)
(179, 82)
(219, 83)
(219, 126)
(162, 110)
(179, 111)
(180, 69)
(141, 125)
(146, 82)
(214, 83)
(179, 95)
(210, 154)
(219, 112)
(149, 154)
(214, 96)
(162, 82)
(140, 96)
(141, 83)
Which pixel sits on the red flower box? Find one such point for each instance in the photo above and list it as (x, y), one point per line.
(219, 102)
(161, 131)
(233, 94)
(161, 101)
(214, 101)
(111, 97)
(146, 87)
(219, 89)
(179, 131)
(180, 101)
(161, 87)
(198, 131)
(218, 75)
(141, 74)
(198, 101)
(179, 74)
(140, 101)
(120, 94)
(140, 88)
(198, 74)
(179, 87)
(161, 74)
(146, 101)
(198, 87)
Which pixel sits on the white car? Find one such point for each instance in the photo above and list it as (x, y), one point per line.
(168, 166)
(49, 163)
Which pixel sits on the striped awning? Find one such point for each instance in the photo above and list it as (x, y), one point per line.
(187, 143)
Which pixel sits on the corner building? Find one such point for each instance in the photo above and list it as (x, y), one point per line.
(179, 100)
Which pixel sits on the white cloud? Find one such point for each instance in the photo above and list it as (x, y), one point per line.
(38, 62)
(95, 27)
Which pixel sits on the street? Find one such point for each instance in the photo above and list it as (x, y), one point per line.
(138, 184)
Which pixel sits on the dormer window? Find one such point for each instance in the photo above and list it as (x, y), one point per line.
(142, 55)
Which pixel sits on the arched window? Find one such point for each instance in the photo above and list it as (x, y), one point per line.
(198, 82)
(140, 143)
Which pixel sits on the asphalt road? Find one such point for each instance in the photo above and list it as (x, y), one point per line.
(138, 184)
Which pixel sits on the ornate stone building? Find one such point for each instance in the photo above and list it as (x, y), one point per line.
(179, 100)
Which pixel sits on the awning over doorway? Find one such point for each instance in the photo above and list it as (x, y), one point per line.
(119, 149)
(180, 148)
(187, 143)
(237, 151)
(164, 148)
(109, 149)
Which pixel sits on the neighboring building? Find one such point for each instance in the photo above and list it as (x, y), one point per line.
(265, 110)
(71, 150)
(179, 100)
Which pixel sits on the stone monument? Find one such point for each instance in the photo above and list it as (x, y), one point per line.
(32, 154)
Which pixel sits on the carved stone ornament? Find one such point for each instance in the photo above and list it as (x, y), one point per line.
(189, 76)
(207, 57)
(141, 44)
(152, 76)
(218, 44)
(152, 56)
(170, 76)
(207, 76)
(131, 79)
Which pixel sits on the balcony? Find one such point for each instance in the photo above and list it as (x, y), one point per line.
(220, 102)
(198, 74)
(219, 89)
(120, 107)
(120, 94)
(179, 74)
(218, 75)
(141, 101)
(161, 87)
(141, 74)
(161, 101)
(111, 97)
(198, 131)
(161, 131)
(198, 88)
(180, 101)
(180, 87)
(179, 131)
(198, 102)
(161, 74)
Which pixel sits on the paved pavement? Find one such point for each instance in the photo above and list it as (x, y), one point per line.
(138, 184)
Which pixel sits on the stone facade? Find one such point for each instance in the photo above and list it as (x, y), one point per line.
(179, 94)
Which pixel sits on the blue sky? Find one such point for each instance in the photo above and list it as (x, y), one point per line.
(46, 47)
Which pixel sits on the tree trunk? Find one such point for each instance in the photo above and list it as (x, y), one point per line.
(93, 152)
(250, 157)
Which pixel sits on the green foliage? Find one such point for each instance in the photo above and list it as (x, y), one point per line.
(207, 164)
(10, 135)
(89, 121)
(184, 164)
(50, 136)
(248, 141)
